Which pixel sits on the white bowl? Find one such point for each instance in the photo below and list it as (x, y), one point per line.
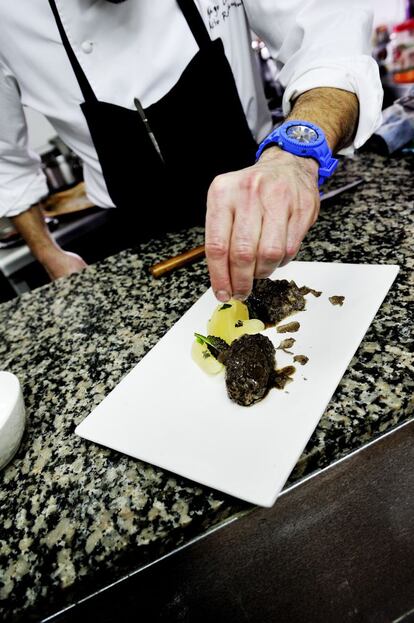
(12, 416)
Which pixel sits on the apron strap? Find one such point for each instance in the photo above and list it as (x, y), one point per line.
(85, 87)
(195, 22)
(189, 11)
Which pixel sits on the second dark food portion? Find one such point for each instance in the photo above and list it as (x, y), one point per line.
(250, 364)
(271, 301)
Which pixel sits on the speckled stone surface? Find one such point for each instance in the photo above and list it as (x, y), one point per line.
(73, 515)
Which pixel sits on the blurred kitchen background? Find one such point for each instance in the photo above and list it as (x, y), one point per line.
(85, 229)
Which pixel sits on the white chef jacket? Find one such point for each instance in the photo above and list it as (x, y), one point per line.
(140, 48)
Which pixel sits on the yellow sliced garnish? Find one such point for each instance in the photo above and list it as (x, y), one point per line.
(225, 317)
(249, 327)
(204, 359)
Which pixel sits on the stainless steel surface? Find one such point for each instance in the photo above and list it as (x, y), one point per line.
(65, 169)
(337, 547)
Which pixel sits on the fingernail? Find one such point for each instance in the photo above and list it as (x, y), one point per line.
(239, 296)
(222, 296)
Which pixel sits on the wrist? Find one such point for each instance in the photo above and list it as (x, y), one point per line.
(305, 140)
(32, 227)
(46, 252)
(276, 154)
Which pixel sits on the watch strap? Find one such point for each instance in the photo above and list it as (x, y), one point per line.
(319, 150)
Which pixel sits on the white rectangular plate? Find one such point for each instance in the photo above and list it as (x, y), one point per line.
(168, 412)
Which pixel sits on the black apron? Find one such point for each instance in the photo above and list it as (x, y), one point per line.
(199, 126)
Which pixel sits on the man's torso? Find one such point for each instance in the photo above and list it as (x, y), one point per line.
(135, 49)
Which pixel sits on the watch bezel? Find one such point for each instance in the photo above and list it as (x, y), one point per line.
(299, 144)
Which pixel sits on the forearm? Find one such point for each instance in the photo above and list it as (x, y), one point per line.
(334, 110)
(57, 263)
(32, 227)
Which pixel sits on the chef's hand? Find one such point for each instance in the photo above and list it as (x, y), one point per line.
(59, 263)
(33, 229)
(257, 218)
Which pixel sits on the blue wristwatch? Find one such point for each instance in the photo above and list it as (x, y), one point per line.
(305, 139)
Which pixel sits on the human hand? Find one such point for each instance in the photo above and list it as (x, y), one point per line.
(257, 218)
(59, 263)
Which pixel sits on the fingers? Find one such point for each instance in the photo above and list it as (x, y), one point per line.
(245, 237)
(219, 224)
(277, 206)
(256, 220)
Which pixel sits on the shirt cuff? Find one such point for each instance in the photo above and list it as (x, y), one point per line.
(358, 75)
(35, 190)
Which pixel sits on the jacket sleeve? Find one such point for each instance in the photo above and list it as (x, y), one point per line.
(322, 43)
(22, 181)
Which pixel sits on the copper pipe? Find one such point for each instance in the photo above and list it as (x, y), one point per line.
(166, 266)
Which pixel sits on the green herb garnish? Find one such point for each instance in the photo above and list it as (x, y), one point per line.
(214, 344)
(225, 306)
(200, 338)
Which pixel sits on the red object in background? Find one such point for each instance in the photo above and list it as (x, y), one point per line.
(407, 25)
(404, 77)
(401, 50)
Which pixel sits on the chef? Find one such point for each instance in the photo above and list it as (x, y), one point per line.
(163, 102)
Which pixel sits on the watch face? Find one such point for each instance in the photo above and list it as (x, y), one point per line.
(302, 134)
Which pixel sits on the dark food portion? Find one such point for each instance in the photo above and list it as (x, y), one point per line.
(216, 346)
(280, 378)
(290, 327)
(250, 360)
(288, 343)
(250, 366)
(271, 301)
(307, 290)
(302, 359)
(337, 300)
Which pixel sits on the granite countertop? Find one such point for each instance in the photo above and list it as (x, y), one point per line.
(74, 515)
